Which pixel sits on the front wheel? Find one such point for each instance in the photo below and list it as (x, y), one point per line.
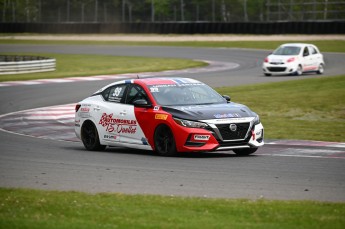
(299, 70)
(245, 152)
(164, 141)
(321, 69)
(90, 138)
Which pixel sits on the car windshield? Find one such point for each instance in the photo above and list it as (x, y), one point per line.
(185, 94)
(287, 50)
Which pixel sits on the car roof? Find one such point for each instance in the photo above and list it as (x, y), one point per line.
(149, 81)
(297, 44)
(166, 80)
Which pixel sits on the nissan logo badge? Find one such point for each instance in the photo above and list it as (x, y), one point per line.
(233, 127)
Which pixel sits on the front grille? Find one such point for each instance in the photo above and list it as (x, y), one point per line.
(276, 63)
(276, 69)
(227, 134)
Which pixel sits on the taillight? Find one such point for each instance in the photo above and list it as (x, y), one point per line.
(266, 60)
(292, 59)
(77, 107)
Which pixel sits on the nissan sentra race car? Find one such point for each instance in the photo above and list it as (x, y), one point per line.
(294, 59)
(166, 115)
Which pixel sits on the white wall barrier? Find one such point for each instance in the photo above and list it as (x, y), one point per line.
(26, 64)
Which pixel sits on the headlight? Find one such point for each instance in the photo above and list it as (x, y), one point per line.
(256, 121)
(190, 124)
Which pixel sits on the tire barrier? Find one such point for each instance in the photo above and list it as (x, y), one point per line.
(281, 27)
(25, 64)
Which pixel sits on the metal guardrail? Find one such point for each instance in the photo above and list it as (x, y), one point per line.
(26, 64)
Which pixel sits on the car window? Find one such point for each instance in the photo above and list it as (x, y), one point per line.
(305, 51)
(187, 94)
(287, 50)
(135, 93)
(115, 93)
(312, 50)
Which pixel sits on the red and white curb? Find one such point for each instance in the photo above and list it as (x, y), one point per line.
(57, 123)
(212, 67)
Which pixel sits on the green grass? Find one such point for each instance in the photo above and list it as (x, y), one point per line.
(310, 109)
(69, 65)
(21, 208)
(323, 45)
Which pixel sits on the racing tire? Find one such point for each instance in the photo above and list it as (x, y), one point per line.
(245, 152)
(321, 69)
(164, 141)
(299, 70)
(90, 137)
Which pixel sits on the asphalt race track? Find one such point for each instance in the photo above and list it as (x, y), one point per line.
(279, 170)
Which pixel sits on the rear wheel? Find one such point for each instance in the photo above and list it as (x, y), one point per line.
(321, 69)
(90, 138)
(245, 152)
(164, 141)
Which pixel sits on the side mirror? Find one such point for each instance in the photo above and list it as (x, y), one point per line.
(227, 98)
(141, 103)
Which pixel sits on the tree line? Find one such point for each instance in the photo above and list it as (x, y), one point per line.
(109, 11)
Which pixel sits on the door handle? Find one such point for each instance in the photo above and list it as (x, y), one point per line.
(96, 108)
(123, 112)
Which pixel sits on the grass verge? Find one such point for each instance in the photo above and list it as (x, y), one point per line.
(323, 45)
(22, 208)
(310, 109)
(69, 65)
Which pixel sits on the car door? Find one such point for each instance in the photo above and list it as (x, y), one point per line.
(107, 113)
(307, 60)
(128, 127)
(315, 56)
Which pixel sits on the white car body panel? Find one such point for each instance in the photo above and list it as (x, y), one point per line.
(116, 123)
(282, 64)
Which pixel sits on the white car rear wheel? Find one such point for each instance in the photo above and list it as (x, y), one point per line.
(321, 69)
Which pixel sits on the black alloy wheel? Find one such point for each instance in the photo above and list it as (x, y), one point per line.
(164, 141)
(90, 138)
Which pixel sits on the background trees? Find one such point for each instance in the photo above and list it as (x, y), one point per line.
(169, 10)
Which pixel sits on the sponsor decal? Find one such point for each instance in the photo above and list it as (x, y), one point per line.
(200, 137)
(85, 109)
(144, 141)
(118, 125)
(154, 89)
(161, 116)
(110, 137)
(228, 115)
(156, 108)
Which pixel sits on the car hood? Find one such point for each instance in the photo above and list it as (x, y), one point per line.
(280, 58)
(212, 111)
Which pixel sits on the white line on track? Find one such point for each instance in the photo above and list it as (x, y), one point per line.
(57, 123)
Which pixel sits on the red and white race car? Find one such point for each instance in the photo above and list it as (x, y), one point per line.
(294, 59)
(167, 115)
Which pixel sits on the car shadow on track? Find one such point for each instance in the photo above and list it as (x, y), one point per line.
(149, 153)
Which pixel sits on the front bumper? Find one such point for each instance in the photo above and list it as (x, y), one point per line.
(279, 69)
(219, 137)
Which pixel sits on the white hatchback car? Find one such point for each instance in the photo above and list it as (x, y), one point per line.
(294, 59)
